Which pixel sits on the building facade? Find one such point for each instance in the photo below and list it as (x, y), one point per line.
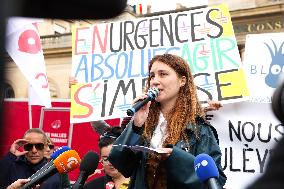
(248, 17)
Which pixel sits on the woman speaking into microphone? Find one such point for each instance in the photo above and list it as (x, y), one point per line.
(173, 125)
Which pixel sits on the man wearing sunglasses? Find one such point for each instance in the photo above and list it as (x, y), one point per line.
(26, 156)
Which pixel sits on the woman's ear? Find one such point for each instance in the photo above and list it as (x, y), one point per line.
(182, 81)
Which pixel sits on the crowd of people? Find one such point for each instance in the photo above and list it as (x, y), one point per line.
(174, 123)
(25, 157)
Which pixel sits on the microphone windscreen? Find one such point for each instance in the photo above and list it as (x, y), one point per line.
(67, 161)
(59, 151)
(89, 162)
(205, 167)
(99, 126)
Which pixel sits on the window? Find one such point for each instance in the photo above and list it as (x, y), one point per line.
(8, 91)
(53, 89)
(58, 29)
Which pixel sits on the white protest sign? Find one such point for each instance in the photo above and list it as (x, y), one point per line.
(263, 64)
(247, 133)
(110, 60)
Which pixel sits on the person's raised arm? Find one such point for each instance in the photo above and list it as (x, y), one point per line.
(213, 106)
(72, 81)
(17, 144)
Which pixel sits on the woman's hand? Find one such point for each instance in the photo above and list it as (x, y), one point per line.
(72, 81)
(168, 152)
(141, 115)
(213, 106)
(18, 184)
(14, 149)
(97, 171)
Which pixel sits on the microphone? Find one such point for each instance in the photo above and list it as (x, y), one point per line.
(59, 151)
(66, 162)
(53, 156)
(88, 166)
(206, 170)
(151, 95)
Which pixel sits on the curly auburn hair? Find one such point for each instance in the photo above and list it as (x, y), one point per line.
(187, 106)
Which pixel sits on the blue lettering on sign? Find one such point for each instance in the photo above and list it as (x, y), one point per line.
(130, 67)
(82, 67)
(96, 66)
(120, 66)
(107, 64)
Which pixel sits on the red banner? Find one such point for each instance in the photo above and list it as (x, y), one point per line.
(56, 123)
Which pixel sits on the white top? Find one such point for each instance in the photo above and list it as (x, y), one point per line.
(160, 133)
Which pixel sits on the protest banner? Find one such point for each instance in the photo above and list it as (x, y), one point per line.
(24, 47)
(247, 133)
(263, 62)
(110, 60)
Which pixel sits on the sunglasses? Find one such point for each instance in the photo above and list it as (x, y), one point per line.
(29, 147)
(51, 146)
